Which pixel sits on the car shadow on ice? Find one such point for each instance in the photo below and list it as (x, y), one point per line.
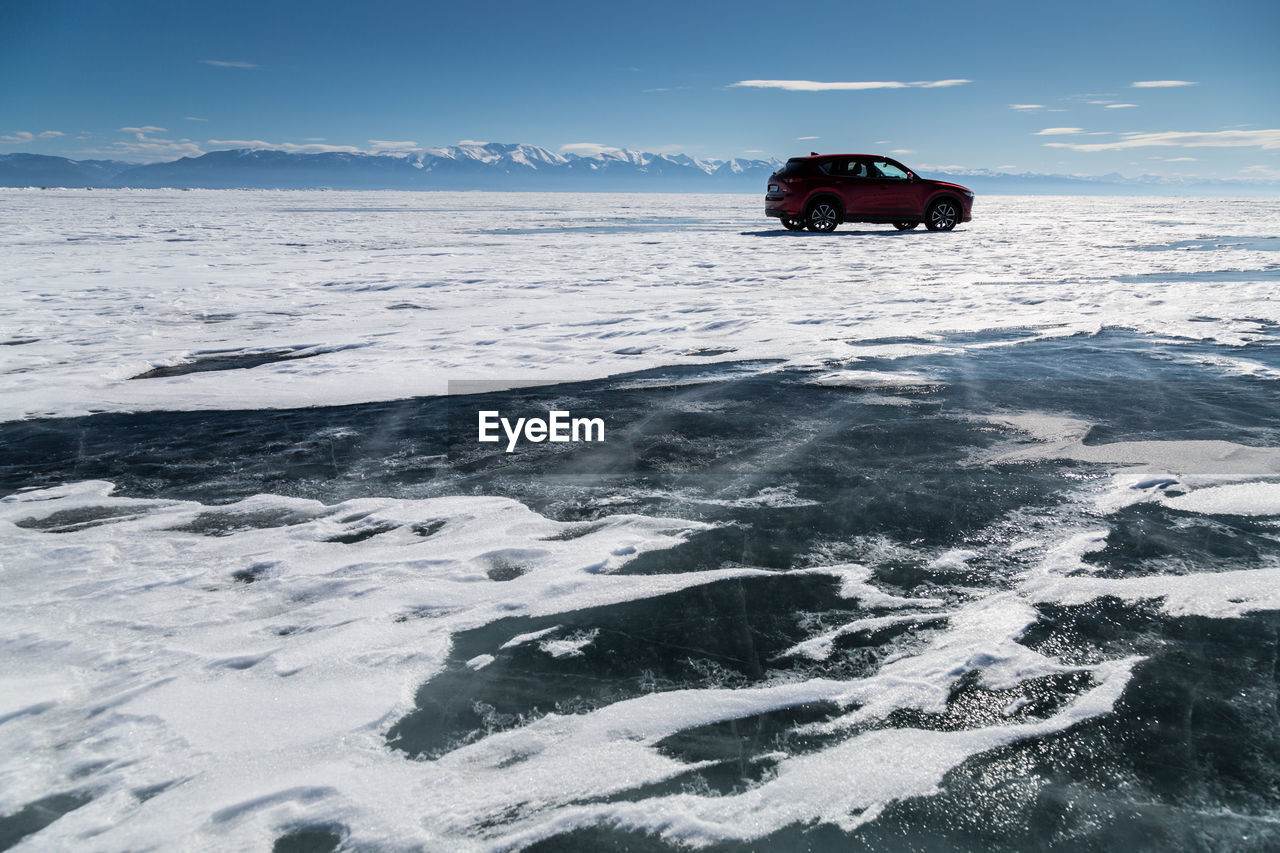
(782, 232)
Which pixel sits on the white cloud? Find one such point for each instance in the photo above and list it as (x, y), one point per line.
(903, 151)
(1265, 139)
(1180, 159)
(753, 151)
(589, 149)
(291, 147)
(1059, 131)
(1026, 107)
(194, 118)
(150, 149)
(147, 147)
(816, 86)
(22, 137)
(471, 142)
(1120, 106)
(1268, 172)
(223, 63)
(806, 138)
(1096, 102)
(318, 148)
(240, 143)
(385, 145)
(1160, 84)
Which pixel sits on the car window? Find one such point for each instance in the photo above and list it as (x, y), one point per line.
(888, 170)
(794, 166)
(845, 168)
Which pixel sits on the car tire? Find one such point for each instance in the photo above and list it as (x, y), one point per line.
(905, 226)
(792, 223)
(943, 215)
(823, 216)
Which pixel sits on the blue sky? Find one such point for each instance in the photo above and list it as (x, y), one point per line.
(1011, 85)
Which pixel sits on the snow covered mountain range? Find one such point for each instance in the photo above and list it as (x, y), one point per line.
(504, 166)
(472, 166)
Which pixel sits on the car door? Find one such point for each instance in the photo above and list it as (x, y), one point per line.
(895, 194)
(849, 177)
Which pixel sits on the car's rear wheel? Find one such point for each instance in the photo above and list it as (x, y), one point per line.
(792, 223)
(823, 216)
(905, 226)
(942, 216)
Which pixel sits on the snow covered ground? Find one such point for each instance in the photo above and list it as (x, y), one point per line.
(378, 296)
(955, 567)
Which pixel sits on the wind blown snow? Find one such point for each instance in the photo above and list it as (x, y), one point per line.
(346, 297)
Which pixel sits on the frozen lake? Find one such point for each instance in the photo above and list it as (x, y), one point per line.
(380, 296)
(897, 541)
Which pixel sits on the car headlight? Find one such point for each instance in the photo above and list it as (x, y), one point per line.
(773, 188)
(968, 193)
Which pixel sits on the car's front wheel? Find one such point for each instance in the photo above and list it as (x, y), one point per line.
(942, 216)
(824, 216)
(905, 226)
(792, 223)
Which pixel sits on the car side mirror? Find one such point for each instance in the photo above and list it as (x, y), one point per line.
(911, 176)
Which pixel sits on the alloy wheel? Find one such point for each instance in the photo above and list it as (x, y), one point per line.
(824, 217)
(943, 216)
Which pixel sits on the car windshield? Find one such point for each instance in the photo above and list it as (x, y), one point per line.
(890, 170)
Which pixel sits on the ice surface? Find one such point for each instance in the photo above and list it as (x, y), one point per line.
(154, 646)
(1065, 578)
(521, 639)
(821, 646)
(1064, 438)
(872, 379)
(1216, 594)
(216, 674)
(843, 785)
(394, 294)
(570, 646)
(1238, 499)
(160, 648)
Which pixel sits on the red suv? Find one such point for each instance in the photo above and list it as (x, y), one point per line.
(820, 191)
